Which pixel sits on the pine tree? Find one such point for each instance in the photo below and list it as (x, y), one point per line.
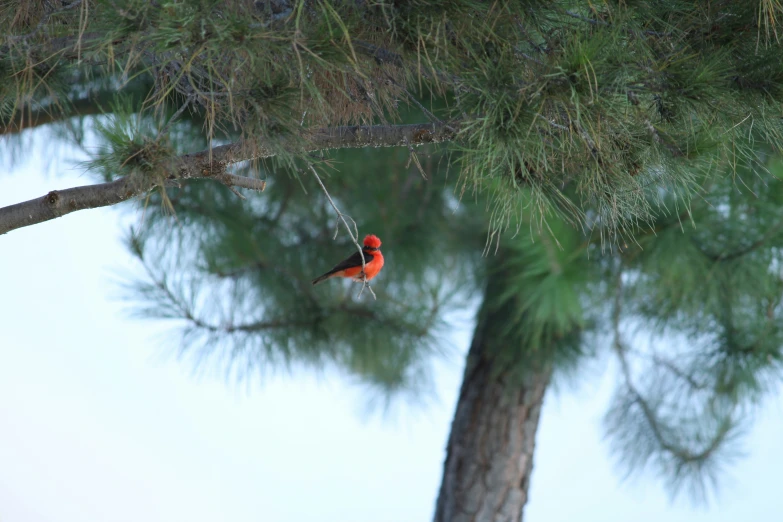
(615, 160)
(552, 300)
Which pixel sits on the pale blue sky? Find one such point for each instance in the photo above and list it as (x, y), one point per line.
(97, 422)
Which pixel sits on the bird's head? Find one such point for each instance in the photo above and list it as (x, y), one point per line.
(371, 242)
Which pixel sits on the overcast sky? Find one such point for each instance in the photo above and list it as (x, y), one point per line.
(99, 422)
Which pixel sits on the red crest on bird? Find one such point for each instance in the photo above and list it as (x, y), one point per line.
(372, 241)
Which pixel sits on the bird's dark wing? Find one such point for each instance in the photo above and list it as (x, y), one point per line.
(351, 262)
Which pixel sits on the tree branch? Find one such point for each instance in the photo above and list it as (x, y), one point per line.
(730, 256)
(353, 233)
(58, 109)
(212, 163)
(23, 120)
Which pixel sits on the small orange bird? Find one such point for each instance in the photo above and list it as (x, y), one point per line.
(352, 266)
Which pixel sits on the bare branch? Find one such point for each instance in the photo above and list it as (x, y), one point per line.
(353, 233)
(212, 163)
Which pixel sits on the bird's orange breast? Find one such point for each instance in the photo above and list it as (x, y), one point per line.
(371, 269)
(374, 266)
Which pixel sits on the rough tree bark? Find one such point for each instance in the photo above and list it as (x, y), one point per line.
(489, 457)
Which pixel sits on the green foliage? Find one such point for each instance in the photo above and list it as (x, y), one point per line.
(611, 102)
(722, 276)
(616, 160)
(238, 273)
(131, 147)
(535, 296)
(707, 280)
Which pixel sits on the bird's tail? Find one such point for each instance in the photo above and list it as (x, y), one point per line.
(322, 278)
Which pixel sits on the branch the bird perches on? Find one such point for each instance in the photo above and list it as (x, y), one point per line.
(353, 233)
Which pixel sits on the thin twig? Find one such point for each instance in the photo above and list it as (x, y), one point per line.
(421, 106)
(174, 117)
(354, 234)
(585, 19)
(428, 114)
(593, 21)
(412, 157)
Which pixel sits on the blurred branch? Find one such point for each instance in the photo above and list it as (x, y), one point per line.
(212, 164)
(660, 430)
(62, 108)
(184, 311)
(678, 372)
(729, 256)
(30, 119)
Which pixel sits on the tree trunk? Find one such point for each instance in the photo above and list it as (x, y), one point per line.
(489, 457)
